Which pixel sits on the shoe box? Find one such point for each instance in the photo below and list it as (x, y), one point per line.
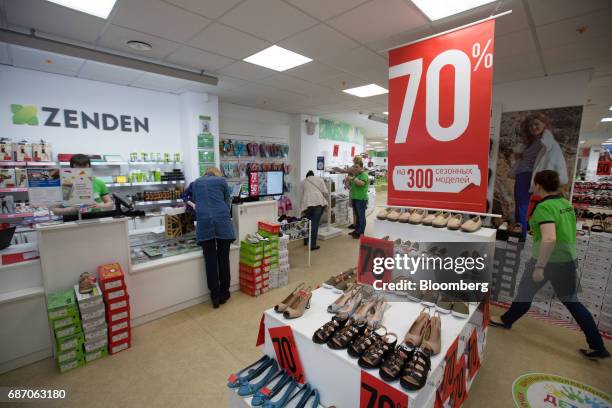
(283, 257)
(110, 277)
(117, 301)
(65, 321)
(273, 279)
(19, 253)
(93, 310)
(248, 248)
(252, 290)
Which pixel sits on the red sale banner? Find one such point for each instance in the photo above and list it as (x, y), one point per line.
(336, 150)
(439, 113)
(376, 393)
(254, 184)
(286, 351)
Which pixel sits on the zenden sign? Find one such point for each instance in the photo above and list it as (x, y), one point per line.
(70, 118)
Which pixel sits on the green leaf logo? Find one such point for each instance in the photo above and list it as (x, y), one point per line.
(24, 114)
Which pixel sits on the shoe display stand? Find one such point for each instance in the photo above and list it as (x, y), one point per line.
(336, 374)
(236, 401)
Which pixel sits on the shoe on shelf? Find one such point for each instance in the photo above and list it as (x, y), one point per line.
(282, 306)
(342, 299)
(394, 214)
(336, 279)
(345, 284)
(393, 365)
(342, 338)
(236, 379)
(430, 298)
(430, 217)
(455, 221)
(432, 340)
(350, 306)
(374, 319)
(418, 216)
(87, 283)
(272, 388)
(378, 352)
(441, 220)
(259, 379)
(299, 305)
(444, 304)
(325, 332)
(472, 225)
(251, 239)
(460, 310)
(414, 374)
(362, 343)
(414, 336)
(383, 212)
(405, 216)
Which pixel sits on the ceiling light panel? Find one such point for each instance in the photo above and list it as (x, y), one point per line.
(277, 58)
(438, 9)
(606, 119)
(366, 90)
(98, 8)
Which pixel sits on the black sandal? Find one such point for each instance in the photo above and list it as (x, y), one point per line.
(414, 375)
(394, 363)
(376, 354)
(365, 341)
(325, 332)
(341, 339)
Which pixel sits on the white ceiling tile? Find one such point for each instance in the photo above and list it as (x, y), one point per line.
(566, 31)
(108, 73)
(515, 21)
(556, 66)
(296, 85)
(518, 75)
(547, 11)
(197, 59)
(226, 82)
(51, 18)
(4, 54)
(199, 87)
(208, 8)
(378, 20)
(516, 67)
(244, 70)
(159, 19)
(226, 41)
(358, 59)
(45, 61)
(319, 42)
(516, 43)
(345, 81)
(159, 82)
(272, 20)
(594, 49)
(116, 37)
(314, 72)
(325, 9)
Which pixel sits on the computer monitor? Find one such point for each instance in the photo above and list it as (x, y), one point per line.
(266, 183)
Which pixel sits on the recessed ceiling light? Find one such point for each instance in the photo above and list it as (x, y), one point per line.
(98, 8)
(385, 113)
(277, 58)
(606, 119)
(582, 141)
(366, 90)
(610, 108)
(139, 45)
(437, 9)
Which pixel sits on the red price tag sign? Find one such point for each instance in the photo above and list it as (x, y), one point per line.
(254, 184)
(603, 168)
(375, 393)
(261, 335)
(286, 351)
(446, 388)
(370, 250)
(473, 354)
(439, 104)
(485, 304)
(459, 394)
(336, 150)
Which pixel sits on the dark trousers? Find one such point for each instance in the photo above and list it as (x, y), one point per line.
(216, 260)
(314, 215)
(522, 182)
(360, 209)
(562, 276)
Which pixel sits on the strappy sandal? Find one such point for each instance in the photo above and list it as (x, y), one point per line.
(376, 354)
(414, 336)
(334, 280)
(431, 343)
(342, 300)
(350, 306)
(345, 284)
(299, 305)
(234, 380)
(325, 332)
(394, 364)
(414, 374)
(364, 310)
(282, 306)
(341, 339)
(365, 341)
(375, 319)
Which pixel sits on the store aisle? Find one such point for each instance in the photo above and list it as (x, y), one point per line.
(183, 360)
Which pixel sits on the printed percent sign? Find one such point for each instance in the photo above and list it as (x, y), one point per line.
(461, 63)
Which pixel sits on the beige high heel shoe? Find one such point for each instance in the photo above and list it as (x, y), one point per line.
(433, 336)
(363, 311)
(375, 319)
(414, 337)
(342, 300)
(299, 305)
(282, 306)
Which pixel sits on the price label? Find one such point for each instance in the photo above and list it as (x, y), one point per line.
(603, 168)
(286, 351)
(473, 354)
(459, 394)
(446, 388)
(370, 251)
(375, 393)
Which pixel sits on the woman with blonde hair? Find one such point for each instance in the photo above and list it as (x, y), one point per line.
(210, 198)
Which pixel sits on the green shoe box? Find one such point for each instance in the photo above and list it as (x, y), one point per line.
(272, 237)
(247, 247)
(70, 343)
(67, 366)
(252, 255)
(274, 265)
(250, 261)
(61, 305)
(67, 356)
(65, 322)
(96, 354)
(67, 331)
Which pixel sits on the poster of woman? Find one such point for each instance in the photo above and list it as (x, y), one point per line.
(532, 141)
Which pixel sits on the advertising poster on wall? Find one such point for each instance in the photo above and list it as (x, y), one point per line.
(44, 188)
(531, 141)
(439, 89)
(77, 186)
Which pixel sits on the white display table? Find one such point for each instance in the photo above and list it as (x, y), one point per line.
(336, 374)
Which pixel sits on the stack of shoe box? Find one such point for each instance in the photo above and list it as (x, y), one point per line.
(93, 322)
(254, 268)
(117, 302)
(66, 324)
(271, 232)
(283, 261)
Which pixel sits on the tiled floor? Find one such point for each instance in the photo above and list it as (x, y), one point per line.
(183, 360)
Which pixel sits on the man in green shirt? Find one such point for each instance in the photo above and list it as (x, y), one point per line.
(101, 194)
(359, 198)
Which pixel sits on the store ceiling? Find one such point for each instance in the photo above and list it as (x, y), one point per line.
(344, 37)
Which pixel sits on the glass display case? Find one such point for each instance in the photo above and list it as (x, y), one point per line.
(149, 246)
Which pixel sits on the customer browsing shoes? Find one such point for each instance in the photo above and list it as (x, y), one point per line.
(313, 192)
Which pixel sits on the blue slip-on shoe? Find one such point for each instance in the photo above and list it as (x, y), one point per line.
(283, 396)
(258, 379)
(271, 389)
(233, 380)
